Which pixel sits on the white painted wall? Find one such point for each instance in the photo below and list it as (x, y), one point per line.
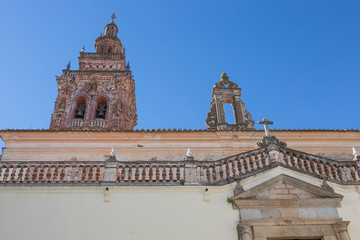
(175, 213)
(138, 213)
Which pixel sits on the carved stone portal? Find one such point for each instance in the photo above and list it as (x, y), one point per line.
(226, 91)
(285, 207)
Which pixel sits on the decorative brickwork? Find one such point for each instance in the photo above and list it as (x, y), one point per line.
(101, 94)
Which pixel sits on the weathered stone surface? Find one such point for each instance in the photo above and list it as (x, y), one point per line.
(288, 213)
(270, 213)
(307, 213)
(246, 214)
(337, 156)
(327, 213)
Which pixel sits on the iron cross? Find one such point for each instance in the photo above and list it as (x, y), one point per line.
(112, 17)
(266, 127)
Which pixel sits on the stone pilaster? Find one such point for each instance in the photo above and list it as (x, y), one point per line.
(244, 232)
(341, 230)
(110, 172)
(191, 177)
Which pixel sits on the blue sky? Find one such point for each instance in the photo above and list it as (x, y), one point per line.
(297, 62)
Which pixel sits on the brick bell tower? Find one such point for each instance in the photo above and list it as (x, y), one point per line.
(101, 94)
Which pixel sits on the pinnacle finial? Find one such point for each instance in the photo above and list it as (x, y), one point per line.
(189, 153)
(128, 66)
(113, 153)
(83, 49)
(113, 17)
(355, 153)
(224, 77)
(68, 66)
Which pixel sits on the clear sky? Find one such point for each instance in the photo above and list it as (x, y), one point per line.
(297, 62)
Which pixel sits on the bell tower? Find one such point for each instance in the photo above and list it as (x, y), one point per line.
(101, 94)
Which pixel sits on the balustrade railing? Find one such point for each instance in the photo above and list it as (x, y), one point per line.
(76, 123)
(98, 123)
(102, 55)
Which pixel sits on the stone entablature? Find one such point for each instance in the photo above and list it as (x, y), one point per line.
(165, 145)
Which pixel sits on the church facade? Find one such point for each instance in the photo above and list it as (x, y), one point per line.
(92, 176)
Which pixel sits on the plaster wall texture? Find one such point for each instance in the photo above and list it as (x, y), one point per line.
(134, 213)
(164, 146)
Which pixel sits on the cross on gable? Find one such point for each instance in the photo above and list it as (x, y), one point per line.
(266, 126)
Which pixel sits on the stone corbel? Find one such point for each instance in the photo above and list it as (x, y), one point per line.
(244, 232)
(341, 230)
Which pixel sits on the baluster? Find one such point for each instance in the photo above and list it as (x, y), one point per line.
(137, 173)
(227, 169)
(233, 167)
(157, 173)
(178, 173)
(251, 163)
(171, 173)
(164, 173)
(151, 174)
(214, 175)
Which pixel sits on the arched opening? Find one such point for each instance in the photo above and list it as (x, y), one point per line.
(101, 107)
(229, 113)
(80, 107)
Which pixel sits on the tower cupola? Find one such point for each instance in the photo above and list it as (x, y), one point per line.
(111, 30)
(109, 42)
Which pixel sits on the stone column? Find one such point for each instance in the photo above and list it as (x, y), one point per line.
(239, 118)
(341, 230)
(244, 232)
(220, 110)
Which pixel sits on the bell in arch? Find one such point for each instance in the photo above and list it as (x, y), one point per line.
(101, 111)
(79, 114)
(80, 111)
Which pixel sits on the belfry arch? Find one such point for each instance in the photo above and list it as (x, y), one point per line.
(224, 92)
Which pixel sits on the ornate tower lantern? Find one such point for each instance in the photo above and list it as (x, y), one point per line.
(101, 94)
(226, 91)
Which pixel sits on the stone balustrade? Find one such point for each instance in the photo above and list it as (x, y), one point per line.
(102, 55)
(189, 171)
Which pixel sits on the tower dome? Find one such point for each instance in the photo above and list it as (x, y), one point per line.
(109, 42)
